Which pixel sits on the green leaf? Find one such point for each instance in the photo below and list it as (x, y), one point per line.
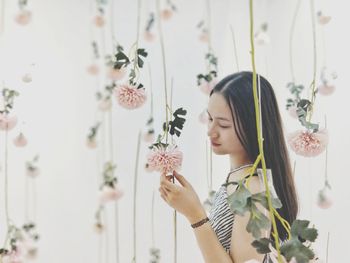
(294, 248)
(238, 200)
(300, 229)
(262, 245)
(257, 222)
(142, 52)
(262, 199)
(177, 124)
(139, 62)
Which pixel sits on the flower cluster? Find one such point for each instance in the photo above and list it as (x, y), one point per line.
(24, 16)
(206, 82)
(165, 159)
(7, 122)
(91, 138)
(109, 190)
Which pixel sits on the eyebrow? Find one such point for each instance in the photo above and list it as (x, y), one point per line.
(219, 118)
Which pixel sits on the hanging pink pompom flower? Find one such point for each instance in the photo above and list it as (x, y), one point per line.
(326, 89)
(98, 227)
(166, 14)
(27, 78)
(149, 136)
(149, 36)
(33, 172)
(206, 87)
(99, 21)
(165, 160)
(7, 122)
(293, 112)
(23, 17)
(108, 193)
(323, 19)
(93, 69)
(12, 257)
(204, 37)
(116, 74)
(20, 140)
(91, 143)
(105, 105)
(130, 97)
(203, 117)
(308, 144)
(323, 200)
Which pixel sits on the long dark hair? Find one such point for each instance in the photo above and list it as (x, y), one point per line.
(238, 92)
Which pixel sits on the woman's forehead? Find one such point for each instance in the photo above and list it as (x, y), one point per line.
(218, 107)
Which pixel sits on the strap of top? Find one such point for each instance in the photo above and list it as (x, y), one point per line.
(236, 183)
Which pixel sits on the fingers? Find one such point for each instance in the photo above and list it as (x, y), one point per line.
(163, 194)
(181, 179)
(164, 182)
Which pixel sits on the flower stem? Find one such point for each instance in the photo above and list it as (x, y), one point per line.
(259, 132)
(234, 47)
(291, 36)
(164, 69)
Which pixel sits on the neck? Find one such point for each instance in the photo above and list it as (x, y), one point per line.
(237, 167)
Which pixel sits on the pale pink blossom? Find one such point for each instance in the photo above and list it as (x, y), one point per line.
(23, 17)
(93, 69)
(307, 143)
(323, 19)
(99, 21)
(12, 257)
(105, 105)
(148, 136)
(166, 14)
(130, 97)
(326, 89)
(293, 112)
(148, 168)
(203, 117)
(98, 227)
(20, 140)
(165, 160)
(91, 143)
(206, 87)
(149, 36)
(27, 78)
(116, 74)
(324, 200)
(33, 172)
(262, 38)
(108, 193)
(7, 122)
(204, 37)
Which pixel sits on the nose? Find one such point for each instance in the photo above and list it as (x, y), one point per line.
(211, 131)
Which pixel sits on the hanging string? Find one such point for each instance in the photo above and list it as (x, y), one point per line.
(234, 47)
(291, 36)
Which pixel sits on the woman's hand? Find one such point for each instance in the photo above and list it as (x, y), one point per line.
(182, 198)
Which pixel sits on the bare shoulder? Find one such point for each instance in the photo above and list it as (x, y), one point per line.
(253, 184)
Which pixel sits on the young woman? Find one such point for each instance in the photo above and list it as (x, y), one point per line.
(232, 131)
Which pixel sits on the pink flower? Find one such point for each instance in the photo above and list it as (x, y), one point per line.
(98, 227)
(293, 112)
(324, 201)
(12, 257)
(206, 87)
(166, 14)
(203, 117)
(33, 172)
(108, 193)
(149, 136)
(99, 21)
(27, 78)
(308, 144)
(23, 17)
(130, 97)
(105, 105)
(91, 143)
(204, 37)
(93, 69)
(326, 89)
(116, 74)
(322, 19)
(149, 36)
(165, 160)
(148, 168)
(20, 140)
(7, 122)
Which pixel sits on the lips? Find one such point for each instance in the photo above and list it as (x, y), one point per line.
(215, 144)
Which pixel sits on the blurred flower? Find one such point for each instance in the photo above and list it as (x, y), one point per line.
(166, 14)
(208, 203)
(308, 144)
(149, 136)
(204, 37)
(262, 38)
(292, 110)
(206, 87)
(324, 201)
(116, 74)
(323, 19)
(325, 89)
(203, 117)
(130, 97)
(98, 227)
(20, 140)
(149, 36)
(165, 159)
(99, 21)
(27, 78)
(23, 17)
(7, 122)
(108, 193)
(105, 104)
(91, 143)
(93, 69)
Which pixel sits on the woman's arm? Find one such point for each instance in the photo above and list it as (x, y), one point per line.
(185, 200)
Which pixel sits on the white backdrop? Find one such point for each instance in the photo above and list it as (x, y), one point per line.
(58, 107)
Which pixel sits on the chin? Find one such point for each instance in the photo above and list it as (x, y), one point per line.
(219, 151)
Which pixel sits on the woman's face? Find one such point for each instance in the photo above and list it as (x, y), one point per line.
(221, 129)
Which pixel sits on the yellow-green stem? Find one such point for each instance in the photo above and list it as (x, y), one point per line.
(260, 140)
